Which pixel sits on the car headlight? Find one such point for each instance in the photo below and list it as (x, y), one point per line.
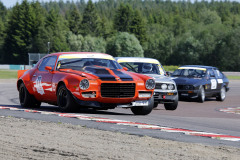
(84, 84)
(150, 84)
(171, 87)
(164, 86)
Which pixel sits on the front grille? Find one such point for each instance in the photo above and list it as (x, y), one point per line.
(180, 87)
(158, 86)
(118, 90)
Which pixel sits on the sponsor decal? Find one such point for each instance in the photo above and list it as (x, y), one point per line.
(219, 80)
(39, 85)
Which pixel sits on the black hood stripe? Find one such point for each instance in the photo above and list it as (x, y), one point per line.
(102, 73)
(123, 76)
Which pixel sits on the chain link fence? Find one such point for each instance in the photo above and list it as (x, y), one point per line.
(35, 57)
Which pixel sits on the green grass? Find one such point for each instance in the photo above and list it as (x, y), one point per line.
(8, 74)
(170, 68)
(233, 77)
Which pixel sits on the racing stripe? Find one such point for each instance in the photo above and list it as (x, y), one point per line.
(123, 76)
(102, 73)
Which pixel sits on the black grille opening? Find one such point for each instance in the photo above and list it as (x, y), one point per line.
(118, 90)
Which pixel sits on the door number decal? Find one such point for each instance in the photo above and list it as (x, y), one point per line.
(213, 84)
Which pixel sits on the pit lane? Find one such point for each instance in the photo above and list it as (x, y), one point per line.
(190, 115)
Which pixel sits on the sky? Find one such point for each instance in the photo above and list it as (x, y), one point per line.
(11, 3)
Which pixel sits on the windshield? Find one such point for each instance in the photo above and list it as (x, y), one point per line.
(80, 63)
(189, 73)
(145, 68)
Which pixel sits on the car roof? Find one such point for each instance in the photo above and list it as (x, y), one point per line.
(61, 53)
(137, 59)
(199, 66)
(81, 55)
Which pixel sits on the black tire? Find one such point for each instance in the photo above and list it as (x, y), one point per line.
(143, 110)
(222, 94)
(26, 99)
(155, 105)
(201, 95)
(171, 106)
(65, 100)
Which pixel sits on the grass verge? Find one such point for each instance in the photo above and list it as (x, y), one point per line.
(8, 74)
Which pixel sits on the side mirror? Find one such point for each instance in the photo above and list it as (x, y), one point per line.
(125, 68)
(48, 68)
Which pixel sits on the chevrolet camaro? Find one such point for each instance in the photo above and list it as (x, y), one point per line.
(83, 79)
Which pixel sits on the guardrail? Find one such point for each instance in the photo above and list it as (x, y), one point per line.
(14, 67)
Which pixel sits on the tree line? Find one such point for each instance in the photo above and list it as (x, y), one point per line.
(174, 32)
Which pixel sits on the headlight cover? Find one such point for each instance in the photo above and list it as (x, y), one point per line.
(170, 86)
(164, 86)
(84, 84)
(150, 84)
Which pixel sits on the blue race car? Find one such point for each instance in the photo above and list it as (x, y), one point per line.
(196, 81)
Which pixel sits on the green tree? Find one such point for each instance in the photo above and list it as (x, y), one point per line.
(57, 32)
(94, 44)
(74, 20)
(74, 41)
(229, 51)
(138, 27)
(124, 44)
(209, 17)
(123, 18)
(40, 34)
(19, 34)
(91, 21)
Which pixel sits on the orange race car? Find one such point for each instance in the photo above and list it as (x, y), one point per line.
(78, 79)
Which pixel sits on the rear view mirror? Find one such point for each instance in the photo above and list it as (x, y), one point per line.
(125, 68)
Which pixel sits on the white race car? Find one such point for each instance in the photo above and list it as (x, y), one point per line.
(165, 90)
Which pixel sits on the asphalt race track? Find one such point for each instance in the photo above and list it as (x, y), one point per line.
(211, 122)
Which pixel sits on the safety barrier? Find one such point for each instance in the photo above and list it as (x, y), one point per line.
(14, 67)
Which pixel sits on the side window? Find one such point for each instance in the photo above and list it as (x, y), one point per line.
(218, 74)
(49, 61)
(211, 73)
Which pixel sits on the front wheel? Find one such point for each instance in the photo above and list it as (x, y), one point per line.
(66, 102)
(143, 110)
(222, 95)
(26, 99)
(171, 106)
(201, 95)
(155, 105)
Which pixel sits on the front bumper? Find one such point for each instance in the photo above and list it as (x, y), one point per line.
(96, 104)
(165, 97)
(188, 93)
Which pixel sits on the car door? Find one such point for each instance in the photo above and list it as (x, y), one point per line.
(42, 79)
(219, 78)
(213, 81)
